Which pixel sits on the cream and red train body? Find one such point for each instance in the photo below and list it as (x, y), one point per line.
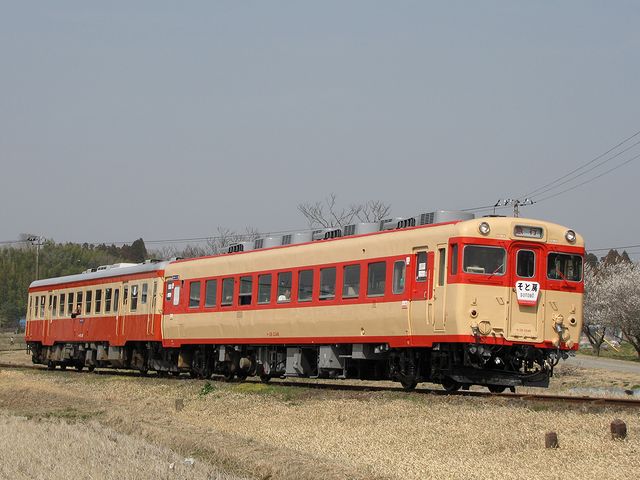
(494, 301)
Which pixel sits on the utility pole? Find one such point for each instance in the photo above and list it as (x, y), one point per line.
(37, 241)
(515, 202)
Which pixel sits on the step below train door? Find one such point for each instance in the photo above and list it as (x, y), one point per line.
(526, 278)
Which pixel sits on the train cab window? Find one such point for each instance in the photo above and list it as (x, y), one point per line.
(328, 283)
(351, 281)
(194, 294)
(107, 300)
(62, 304)
(246, 286)
(284, 287)
(564, 266)
(264, 288)
(399, 271)
(227, 292)
(70, 304)
(442, 256)
(210, 291)
(454, 259)
(376, 278)
(421, 267)
(116, 300)
(144, 294)
(480, 259)
(54, 311)
(305, 285)
(98, 301)
(87, 306)
(526, 264)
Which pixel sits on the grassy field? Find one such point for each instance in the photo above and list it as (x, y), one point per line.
(625, 352)
(274, 431)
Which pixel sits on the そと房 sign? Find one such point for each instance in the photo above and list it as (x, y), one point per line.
(527, 292)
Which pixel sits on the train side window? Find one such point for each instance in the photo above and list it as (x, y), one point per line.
(376, 279)
(264, 288)
(99, 301)
(70, 303)
(399, 270)
(246, 286)
(526, 264)
(305, 285)
(284, 287)
(79, 303)
(62, 304)
(351, 281)
(227, 292)
(87, 307)
(210, 291)
(107, 300)
(328, 283)
(145, 293)
(441, 265)
(194, 294)
(50, 302)
(421, 267)
(54, 310)
(176, 295)
(42, 300)
(116, 300)
(134, 297)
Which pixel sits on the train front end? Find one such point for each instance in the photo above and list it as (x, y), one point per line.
(514, 300)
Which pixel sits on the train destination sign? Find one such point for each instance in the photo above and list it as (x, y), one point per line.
(527, 292)
(528, 232)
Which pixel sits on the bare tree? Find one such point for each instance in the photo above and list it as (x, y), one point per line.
(225, 237)
(327, 214)
(595, 318)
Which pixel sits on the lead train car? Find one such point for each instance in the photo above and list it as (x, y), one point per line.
(494, 301)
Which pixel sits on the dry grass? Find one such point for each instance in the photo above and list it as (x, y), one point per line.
(54, 448)
(291, 432)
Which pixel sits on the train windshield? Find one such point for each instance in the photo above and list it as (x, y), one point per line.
(563, 266)
(484, 260)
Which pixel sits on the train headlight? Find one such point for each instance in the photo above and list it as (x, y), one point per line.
(570, 235)
(484, 228)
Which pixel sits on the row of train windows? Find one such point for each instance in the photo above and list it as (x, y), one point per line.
(376, 280)
(90, 301)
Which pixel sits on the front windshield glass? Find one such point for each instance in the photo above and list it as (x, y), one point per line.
(484, 260)
(563, 266)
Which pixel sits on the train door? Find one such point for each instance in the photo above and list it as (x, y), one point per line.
(151, 311)
(526, 276)
(48, 318)
(419, 290)
(437, 310)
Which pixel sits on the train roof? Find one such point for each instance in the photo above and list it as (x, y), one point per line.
(114, 271)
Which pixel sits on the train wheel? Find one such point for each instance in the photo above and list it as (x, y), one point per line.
(79, 368)
(63, 366)
(91, 368)
(144, 372)
(264, 378)
(228, 375)
(408, 383)
(242, 376)
(450, 385)
(51, 365)
(496, 388)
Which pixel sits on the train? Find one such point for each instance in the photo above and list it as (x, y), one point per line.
(443, 297)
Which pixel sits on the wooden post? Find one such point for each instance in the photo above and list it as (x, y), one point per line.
(618, 429)
(551, 440)
(179, 404)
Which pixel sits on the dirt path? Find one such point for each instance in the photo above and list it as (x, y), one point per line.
(610, 364)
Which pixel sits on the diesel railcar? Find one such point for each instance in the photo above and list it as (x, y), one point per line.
(493, 301)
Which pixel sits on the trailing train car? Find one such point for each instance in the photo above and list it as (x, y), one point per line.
(495, 301)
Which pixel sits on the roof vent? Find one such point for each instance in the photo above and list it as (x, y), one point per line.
(240, 247)
(268, 242)
(390, 223)
(327, 233)
(361, 228)
(407, 222)
(443, 216)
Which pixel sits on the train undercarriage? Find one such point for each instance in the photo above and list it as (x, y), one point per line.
(453, 365)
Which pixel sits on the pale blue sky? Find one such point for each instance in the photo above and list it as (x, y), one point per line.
(167, 119)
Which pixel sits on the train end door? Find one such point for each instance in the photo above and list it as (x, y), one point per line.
(526, 276)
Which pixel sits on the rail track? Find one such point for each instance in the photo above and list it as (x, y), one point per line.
(328, 385)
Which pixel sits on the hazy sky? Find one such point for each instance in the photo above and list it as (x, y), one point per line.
(154, 119)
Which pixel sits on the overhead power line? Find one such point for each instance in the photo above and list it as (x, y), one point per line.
(537, 190)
